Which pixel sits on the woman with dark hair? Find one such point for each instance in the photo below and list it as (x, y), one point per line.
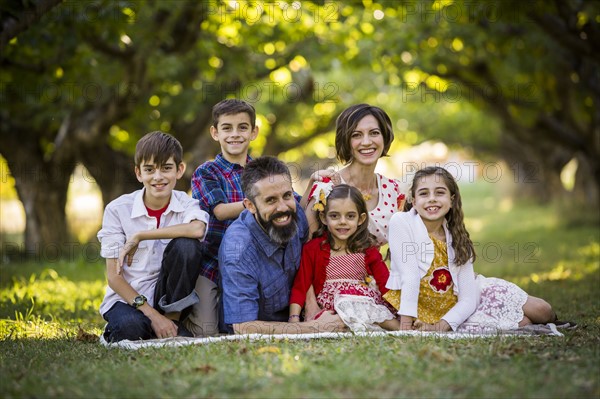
(363, 135)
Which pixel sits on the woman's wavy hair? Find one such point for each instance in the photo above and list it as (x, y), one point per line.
(362, 238)
(461, 241)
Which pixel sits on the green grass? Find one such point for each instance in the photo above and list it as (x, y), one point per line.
(48, 312)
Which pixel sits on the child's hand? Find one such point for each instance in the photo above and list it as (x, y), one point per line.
(329, 321)
(163, 327)
(294, 318)
(440, 326)
(126, 254)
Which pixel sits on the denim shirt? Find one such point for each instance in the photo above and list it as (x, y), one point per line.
(257, 274)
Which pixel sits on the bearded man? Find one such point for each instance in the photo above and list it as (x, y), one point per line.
(260, 255)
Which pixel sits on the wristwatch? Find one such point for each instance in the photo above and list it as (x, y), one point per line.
(139, 301)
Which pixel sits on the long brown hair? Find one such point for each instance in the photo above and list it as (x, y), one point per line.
(461, 241)
(362, 238)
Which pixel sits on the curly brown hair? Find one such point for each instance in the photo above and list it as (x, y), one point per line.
(362, 238)
(461, 241)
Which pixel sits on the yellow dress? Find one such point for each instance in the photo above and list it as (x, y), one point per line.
(436, 291)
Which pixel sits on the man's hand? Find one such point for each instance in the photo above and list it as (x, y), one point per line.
(126, 254)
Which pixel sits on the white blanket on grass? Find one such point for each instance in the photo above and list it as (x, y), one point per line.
(531, 330)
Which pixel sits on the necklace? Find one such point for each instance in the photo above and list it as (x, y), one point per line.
(368, 194)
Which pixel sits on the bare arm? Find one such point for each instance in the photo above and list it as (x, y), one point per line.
(311, 306)
(295, 310)
(326, 323)
(225, 211)
(162, 326)
(194, 229)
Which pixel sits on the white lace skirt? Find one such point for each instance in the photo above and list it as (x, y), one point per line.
(361, 313)
(358, 305)
(500, 306)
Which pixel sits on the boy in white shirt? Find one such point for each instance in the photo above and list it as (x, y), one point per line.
(151, 241)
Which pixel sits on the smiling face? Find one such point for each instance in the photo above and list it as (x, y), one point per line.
(342, 219)
(274, 207)
(432, 198)
(234, 133)
(158, 180)
(366, 141)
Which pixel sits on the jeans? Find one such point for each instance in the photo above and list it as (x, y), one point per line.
(174, 292)
(126, 322)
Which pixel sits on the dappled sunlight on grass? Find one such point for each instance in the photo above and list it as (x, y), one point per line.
(35, 327)
(49, 296)
(584, 265)
(558, 273)
(278, 362)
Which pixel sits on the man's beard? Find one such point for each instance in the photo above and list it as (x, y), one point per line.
(280, 234)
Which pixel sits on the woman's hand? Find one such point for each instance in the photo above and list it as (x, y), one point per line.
(330, 173)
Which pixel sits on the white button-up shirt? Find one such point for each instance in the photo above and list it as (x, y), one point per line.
(126, 216)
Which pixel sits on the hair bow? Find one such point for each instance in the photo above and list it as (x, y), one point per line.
(320, 191)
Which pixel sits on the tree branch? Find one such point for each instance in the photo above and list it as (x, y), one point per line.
(11, 27)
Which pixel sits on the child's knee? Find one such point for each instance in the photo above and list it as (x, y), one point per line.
(133, 330)
(539, 311)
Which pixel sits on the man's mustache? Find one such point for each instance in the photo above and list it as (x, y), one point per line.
(281, 214)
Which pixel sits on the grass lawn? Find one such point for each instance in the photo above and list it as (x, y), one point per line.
(49, 310)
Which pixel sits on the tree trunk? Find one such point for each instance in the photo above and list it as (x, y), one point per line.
(586, 191)
(112, 170)
(42, 188)
(536, 170)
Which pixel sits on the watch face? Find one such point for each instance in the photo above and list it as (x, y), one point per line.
(139, 300)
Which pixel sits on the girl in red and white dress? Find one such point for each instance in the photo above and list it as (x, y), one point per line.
(338, 263)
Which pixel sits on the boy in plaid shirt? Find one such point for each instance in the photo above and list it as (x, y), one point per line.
(216, 185)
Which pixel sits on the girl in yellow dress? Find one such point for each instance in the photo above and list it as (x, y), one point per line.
(432, 282)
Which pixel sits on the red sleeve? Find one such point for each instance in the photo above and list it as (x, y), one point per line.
(305, 275)
(377, 268)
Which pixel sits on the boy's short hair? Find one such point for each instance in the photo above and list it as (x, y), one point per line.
(159, 147)
(233, 106)
(260, 168)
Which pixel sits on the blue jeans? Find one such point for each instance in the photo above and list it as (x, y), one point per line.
(174, 292)
(126, 322)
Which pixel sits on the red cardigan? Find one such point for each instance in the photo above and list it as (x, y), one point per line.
(314, 261)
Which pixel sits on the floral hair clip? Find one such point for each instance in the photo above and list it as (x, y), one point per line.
(320, 191)
(401, 202)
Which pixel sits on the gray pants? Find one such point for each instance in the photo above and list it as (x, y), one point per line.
(203, 320)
